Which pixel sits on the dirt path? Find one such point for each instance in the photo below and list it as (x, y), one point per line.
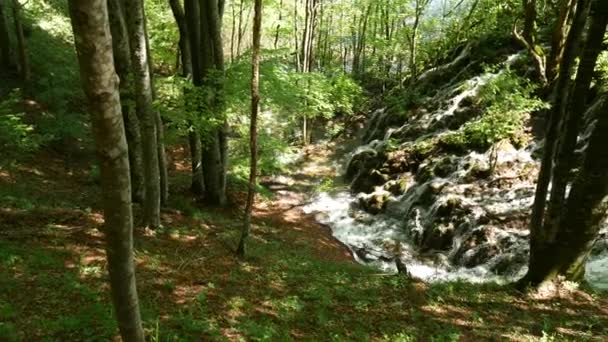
(292, 193)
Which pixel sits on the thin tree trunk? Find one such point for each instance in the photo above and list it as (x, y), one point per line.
(94, 46)
(232, 33)
(24, 64)
(162, 158)
(278, 29)
(558, 41)
(253, 129)
(147, 117)
(196, 152)
(5, 43)
(122, 62)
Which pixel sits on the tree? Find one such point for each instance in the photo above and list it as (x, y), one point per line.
(554, 236)
(555, 115)
(143, 103)
(94, 46)
(204, 22)
(419, 8)
(122, 62)
(253, 129)
(24, 64)
(573, 116)
(5, 43)
(184, 39)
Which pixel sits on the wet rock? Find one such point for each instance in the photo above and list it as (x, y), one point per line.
(509, 263)
(397, 186)
(437, 237)
(360, 160)
(478, 255)
(374, 203)
(367, 181)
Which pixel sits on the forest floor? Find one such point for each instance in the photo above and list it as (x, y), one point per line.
(297, 283)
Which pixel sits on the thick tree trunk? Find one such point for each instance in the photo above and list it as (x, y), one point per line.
(214, 143)
(193, 22)
(538, 237)
(555, 115)
(143, 102)
(253, 128)
(5, 43)
(94, 46)
(564, 158)
(580, 221)
(122, 62)
(24, 63)
(193, 16)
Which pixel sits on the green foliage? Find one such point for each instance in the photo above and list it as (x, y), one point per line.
(16, 136)
(508, 100)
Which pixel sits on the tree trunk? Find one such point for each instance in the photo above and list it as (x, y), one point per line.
(538, 237)
(184, 39)
(122, 62)
(253, 129)
(214, 143)
(94, 46)
(162, 158)
(558, 40)
(564, 158)
(278, 29)
(24, 64)
(196, 152)
(193, 19)
(147, 117)
(580, 221)
(5, 43)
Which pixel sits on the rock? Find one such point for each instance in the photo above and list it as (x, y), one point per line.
(374, 203)
(437, 237)
(359, 160)
(508, 263)
(479, 255)
(366, 181)
(396, 187)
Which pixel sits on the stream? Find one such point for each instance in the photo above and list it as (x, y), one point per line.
(445, 221)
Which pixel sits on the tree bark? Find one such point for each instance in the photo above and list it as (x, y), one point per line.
(558, 40)
(196, 152)
(538, 236)
(5, 43)
(24, 63)
(100, 82)
(253, 128)
(580, 221)
(122, 62)
(571, 122)
(147, 117)
(184, 39)
(212, 67)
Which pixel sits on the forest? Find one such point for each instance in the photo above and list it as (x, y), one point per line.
(316, 170)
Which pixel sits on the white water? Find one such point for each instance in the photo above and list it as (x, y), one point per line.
(491, 207)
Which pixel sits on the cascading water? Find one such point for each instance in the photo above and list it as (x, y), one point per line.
(453, 224)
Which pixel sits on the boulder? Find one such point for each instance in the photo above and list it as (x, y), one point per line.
(397, 186)
(374, 203)
(366, 182)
